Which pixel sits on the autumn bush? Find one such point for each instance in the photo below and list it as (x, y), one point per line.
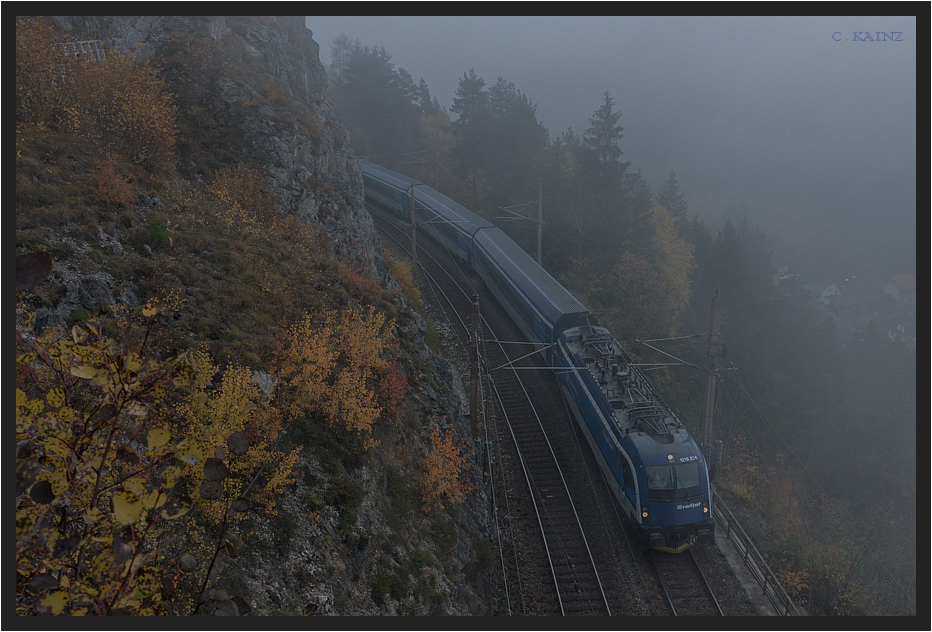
(132, 112)
(44, 96)
(330, 363)
(393, 385)
(247, 190)
(223, 402)
(113, 188)
(445, 470)
(116, 108)
(360, 283)
(403, 271)
(99, 487)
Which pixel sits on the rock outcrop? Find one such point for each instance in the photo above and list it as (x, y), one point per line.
(311, 558)
(305, 147)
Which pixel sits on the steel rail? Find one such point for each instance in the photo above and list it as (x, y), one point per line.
(705, 581)
(436, 288)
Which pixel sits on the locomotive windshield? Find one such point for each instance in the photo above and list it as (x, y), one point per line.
(665, 482)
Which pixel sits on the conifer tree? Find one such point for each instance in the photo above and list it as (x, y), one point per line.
(471, 105)
(603, 138)
(670, 197)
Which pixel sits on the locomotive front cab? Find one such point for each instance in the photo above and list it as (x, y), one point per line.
(675, 507)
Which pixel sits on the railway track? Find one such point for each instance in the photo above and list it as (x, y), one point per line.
(684, 585)
(562, 548)
(565, 552)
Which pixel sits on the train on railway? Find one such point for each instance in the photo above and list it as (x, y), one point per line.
(653, 466)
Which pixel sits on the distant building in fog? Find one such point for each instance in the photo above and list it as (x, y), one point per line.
(828, 293)
(902, 288)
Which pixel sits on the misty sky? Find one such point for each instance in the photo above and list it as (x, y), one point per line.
(812, 127)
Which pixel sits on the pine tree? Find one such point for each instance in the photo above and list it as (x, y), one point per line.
(603, 182)
(428, 106)
(515, 147)
(471, 127)
(603, 138)
(670, 197)
(382, 100)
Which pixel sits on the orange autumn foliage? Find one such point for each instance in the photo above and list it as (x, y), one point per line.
(445, 471)
(330, 364)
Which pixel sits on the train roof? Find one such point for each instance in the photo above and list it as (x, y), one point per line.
(557, 306)
(392, 178)
(450, 210)
(655, 450)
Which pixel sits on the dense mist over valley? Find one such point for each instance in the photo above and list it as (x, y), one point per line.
(236, 395)
(803, 126)
(771, 160)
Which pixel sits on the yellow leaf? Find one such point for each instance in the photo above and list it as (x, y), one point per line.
(84, 371)
(179, 508)
(127, 508)
(136, 409)
(148, 311)
(154, 499)
(55, 601)
(55, 397)
(132, 362)
(24, 416)
(190, 451)
(171, 476)
(158, 437)
(26, 357)
(148, 581)
(25, 521)
(36, 406)
(83, 592)
(136, 485)
(93, 516)
(184, 375)
(56, 445)
(58, 481)
(152, 611)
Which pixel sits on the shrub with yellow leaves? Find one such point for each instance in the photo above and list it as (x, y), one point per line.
(211, 413)
(118, 103)
(330, 364)
(98, 486)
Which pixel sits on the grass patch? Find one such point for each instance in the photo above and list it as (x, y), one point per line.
(380, 582)
(432, 338)
(443, 537)
(401, 493)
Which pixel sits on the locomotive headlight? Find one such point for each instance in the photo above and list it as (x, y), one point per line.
(705, 507)
(645, 514)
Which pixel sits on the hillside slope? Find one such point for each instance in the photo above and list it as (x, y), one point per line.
(194, 192)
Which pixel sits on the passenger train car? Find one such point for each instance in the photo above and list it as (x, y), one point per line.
(655, 469)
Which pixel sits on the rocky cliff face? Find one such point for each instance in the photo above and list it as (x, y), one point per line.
(284, 53)
(345, 540)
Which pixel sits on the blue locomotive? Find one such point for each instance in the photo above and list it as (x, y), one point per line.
(654, 468)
